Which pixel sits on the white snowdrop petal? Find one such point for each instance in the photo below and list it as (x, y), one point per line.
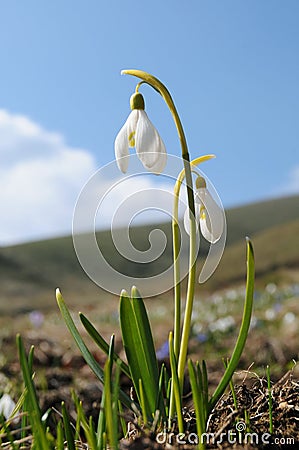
(161, 162)
(122, 141)
(7, 405)
(131, 125)
(148, 142)
(139, 132)
(121, 148)
(211, 219)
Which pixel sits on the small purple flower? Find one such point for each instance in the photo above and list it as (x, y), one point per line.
(36, 318)
(163, 351)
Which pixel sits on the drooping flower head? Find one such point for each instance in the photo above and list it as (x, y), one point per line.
(208, 214)
(139, 132)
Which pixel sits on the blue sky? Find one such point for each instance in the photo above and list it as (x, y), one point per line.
(231, 66)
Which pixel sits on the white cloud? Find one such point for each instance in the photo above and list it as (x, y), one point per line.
(293, 185)
(136, 200)
(40, 178)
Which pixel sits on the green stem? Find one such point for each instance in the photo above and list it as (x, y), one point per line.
(189, 304)
(177, 287)
(176, 249)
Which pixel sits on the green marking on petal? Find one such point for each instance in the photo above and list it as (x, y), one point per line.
(132, 139)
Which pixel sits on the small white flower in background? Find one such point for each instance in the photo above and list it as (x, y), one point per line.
(7, 405)
(139, 132)
(208, 214)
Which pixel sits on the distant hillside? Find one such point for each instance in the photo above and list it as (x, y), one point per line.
(276, 252)
(29, 273)
(249, 219)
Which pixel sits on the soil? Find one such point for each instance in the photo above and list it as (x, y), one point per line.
(59, 371)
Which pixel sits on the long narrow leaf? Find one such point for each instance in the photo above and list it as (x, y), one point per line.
(203, 384)
(145, 334)
(87, 427)
(234, 360)
(108, 406)
(60, 437)
(139, 347)
(197, 395)
(98, 371)
(101, 429)
(100, 341)
(115, 397)
(95, 367)
(31, 400)
(68, 432)
(160, 401)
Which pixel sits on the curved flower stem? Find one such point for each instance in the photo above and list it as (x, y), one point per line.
(182, 353)
(163, 91)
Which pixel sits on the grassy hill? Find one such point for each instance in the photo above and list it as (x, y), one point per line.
(29, 273)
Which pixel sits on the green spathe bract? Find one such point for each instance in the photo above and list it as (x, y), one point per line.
(137, 101)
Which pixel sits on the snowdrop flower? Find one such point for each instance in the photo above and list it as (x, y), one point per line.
(208, 214)
(139, 132)
(7, 405)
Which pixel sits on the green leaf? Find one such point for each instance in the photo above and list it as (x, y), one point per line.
(100, 341)
(196, 382)
(33, 408)
(60, 437)
(237, 352)
(162, 385)
(68, 432)
(88, 428)
(95, 367)
(112, 432)
(101, 429)
(139, 348)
